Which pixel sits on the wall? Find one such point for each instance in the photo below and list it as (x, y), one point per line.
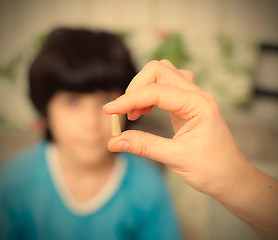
(199, 24)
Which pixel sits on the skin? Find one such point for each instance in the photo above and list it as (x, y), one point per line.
(202, 152)
(81, 131)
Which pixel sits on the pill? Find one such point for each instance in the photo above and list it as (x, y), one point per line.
(115, 125)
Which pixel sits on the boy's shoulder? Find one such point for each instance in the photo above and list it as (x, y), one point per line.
(144, 174)
(141, 166)
(23, 166)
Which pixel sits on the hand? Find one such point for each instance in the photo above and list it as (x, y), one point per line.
(202, 152)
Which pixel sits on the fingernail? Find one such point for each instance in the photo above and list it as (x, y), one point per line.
(129, 115)
(121, 146)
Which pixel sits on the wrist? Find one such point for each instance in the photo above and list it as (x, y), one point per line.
(232, 183)
(252, 196)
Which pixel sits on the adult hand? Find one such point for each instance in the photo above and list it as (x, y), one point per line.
(203, 151)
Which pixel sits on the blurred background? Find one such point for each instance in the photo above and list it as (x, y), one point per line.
(231, 47)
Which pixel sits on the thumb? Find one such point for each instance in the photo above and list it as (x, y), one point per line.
(143, 144)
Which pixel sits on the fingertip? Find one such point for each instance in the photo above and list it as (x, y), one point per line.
(118, 145)
(108, 107)
(129, 115)
(147, 110)
(134, 114)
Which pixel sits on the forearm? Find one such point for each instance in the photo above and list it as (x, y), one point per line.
(253, 197)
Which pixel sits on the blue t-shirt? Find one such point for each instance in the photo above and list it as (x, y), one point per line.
(31, 208)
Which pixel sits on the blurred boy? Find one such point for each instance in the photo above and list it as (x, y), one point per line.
(70, 186)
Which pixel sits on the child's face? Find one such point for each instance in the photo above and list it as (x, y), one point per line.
(79, 126)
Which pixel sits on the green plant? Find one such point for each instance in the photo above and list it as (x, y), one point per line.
(173, 49)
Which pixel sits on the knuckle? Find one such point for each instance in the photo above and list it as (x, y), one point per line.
(153, 64)
(144, 149)
(211, 98)
(165, 61)
(189, 75)
(210, 101)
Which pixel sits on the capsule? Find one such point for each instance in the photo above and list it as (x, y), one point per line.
(115, 125)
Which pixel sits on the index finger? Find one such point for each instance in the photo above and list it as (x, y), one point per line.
(181, 101)
(161, 72)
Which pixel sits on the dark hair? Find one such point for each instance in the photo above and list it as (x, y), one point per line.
(79, 60)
